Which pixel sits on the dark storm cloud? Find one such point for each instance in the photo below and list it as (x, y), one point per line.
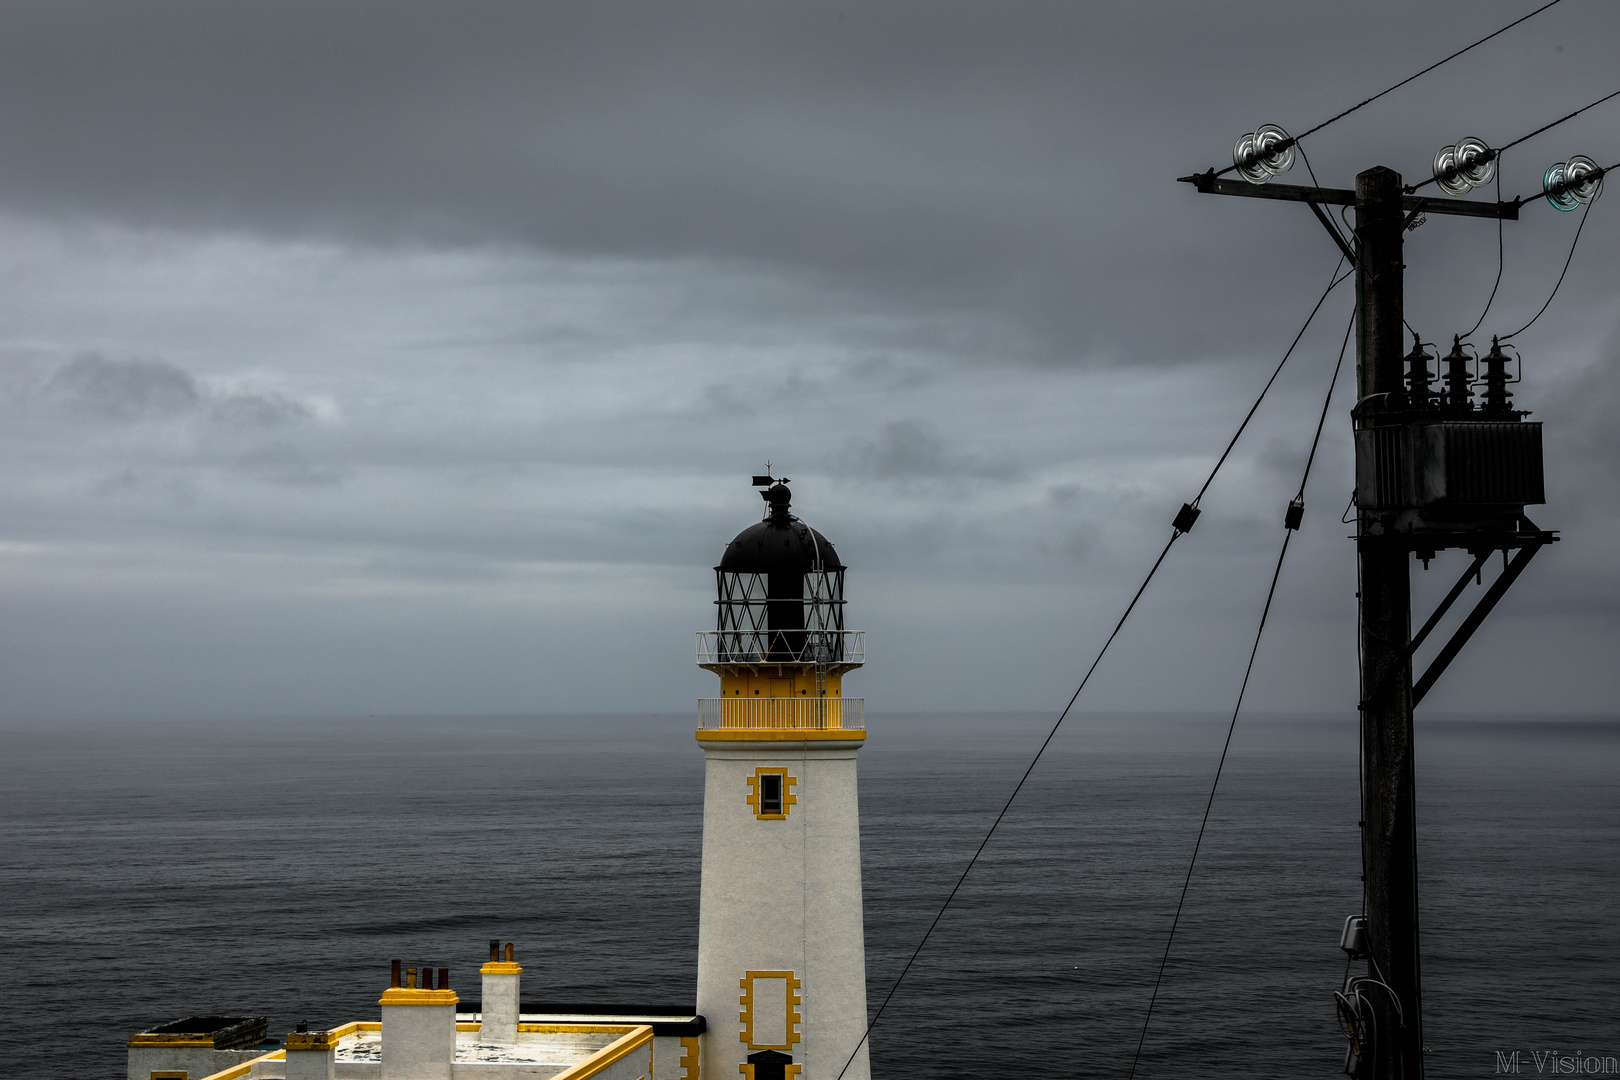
(122, 390)
(1005, 158)
(912, 450)
(125, 391)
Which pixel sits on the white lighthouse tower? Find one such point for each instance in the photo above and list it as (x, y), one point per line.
(781, 948)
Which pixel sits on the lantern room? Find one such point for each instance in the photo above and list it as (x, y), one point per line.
(779, 610)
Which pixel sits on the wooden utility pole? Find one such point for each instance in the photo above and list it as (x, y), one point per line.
(1411, 497)
(1389, 822)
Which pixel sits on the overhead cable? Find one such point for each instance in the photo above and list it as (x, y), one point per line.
(1560, 120)
(1492, 155)
(1500, 261)
(1597, 174)
(1183, 523)
(1409, 78)
(1291, 522)
(1577, 240)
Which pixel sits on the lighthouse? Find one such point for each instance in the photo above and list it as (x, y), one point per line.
(781, 949)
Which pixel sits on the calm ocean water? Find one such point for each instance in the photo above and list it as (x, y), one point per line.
(155, 869)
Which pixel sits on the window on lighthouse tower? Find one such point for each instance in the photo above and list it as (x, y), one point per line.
(770, 793)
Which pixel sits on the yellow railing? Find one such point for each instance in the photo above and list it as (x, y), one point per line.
(782, 714)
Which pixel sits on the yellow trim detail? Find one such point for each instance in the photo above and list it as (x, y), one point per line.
(589, 1029)
(787, 680)
(639, 1036)
(144, 1039)
(788, 784)
(501, 967)
(236, 1072)
(170, 1074)
(794, 1019)
(400, 995)
(690, 1051)
(781, 735)
(311, 1040)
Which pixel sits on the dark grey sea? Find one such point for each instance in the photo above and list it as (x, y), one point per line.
(150, 870)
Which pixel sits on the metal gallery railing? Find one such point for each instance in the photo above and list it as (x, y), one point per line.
(781, 647)
(782, 714)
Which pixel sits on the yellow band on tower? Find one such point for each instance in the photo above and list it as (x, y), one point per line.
(401, 995)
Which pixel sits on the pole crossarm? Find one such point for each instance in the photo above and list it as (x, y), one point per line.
(1209, 184)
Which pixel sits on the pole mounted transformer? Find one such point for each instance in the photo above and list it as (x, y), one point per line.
(1436, 468)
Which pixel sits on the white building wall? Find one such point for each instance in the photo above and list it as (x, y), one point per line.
(196, 1061)
(783, 895)
(498, 1023)
(418, 1041)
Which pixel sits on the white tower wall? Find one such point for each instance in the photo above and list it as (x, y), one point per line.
(781, 897)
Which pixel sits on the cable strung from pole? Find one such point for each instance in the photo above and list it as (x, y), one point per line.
(1291, 523)
(1252, 409)
(1499, 263)
(1597, 175)
(1409, 78)
(1492, 155)
(1176, 533)
(1577, 240)
(1560, 120)
(1174, 536)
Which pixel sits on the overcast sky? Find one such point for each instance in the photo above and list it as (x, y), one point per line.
(395, 357)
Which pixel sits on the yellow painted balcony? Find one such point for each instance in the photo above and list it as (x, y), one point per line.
(782, 714)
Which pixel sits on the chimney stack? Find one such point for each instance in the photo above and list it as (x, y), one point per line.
(499, 1026)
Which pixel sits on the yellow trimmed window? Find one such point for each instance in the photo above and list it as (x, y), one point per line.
(770, 792)
(770, 1010)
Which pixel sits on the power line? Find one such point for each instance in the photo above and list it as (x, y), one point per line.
(1560, 120)
(1577, 240)
(1491, 155)
(1409, 78)
(1500, 261)
(1290, 524)
(1566, 184)
(1183, 523)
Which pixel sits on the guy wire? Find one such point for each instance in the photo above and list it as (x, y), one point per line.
(1237, 707)
(1175, 535)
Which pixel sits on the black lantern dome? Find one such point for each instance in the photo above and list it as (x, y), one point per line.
(781, 591)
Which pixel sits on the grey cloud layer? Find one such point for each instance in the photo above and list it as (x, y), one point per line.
(421, 352)
(1011, 158)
